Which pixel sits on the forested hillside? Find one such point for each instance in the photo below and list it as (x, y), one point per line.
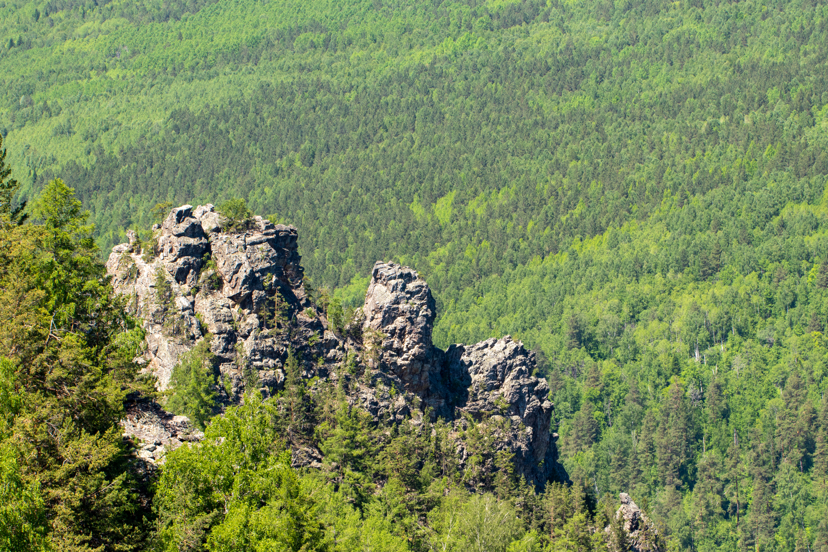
(635, 189)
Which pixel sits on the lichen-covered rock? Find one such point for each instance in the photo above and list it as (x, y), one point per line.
(169, 320)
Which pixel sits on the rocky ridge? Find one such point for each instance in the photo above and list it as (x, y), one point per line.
(244, 290)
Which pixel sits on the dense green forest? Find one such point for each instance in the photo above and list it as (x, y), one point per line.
(70, 482)
(635, 189)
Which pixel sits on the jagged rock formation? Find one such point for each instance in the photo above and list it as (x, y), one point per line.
(244, 289)
(492, 378)
(400, 308)
(502, 383)
(640, 533)
(231, 298)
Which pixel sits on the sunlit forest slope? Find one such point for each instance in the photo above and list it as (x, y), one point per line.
(636, 189)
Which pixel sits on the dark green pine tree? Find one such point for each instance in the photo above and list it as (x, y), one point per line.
(733, 475)
(821, 540)
(820, 473)
(675, 435)
(762, 517)
(8, 189)
(584, 428)
(822, 276)
(707, 494)
(70, 347)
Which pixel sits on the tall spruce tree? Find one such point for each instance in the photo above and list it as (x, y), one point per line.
(8, 189)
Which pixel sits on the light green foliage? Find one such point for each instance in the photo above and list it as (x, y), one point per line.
(335, 315)
(353, 294)
(192, 385)
(477, 523)
(684, 352)
(236, 490)
(237, 215)
(383, 485)
(210, 275)
(23, 525)
(59, 209)
(559, 120)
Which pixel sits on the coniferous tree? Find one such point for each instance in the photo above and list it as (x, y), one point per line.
(72, 347)
(193, 385)
(707, 494)
(821, 446)
(822, 276)
(8, 189)
(675, 435)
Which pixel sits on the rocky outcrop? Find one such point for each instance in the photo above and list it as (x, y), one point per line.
(639, 533)
(501, 384)
(195, 279)
(244, 291)
(182, 244)
(154, 430)
(491, 378)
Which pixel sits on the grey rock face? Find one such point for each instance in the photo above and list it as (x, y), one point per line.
(182, 245)
(229, 299)
(502, 384)
(400, 309)
(204, 281)
(170, 329)
(155, 430)
(252, 262)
